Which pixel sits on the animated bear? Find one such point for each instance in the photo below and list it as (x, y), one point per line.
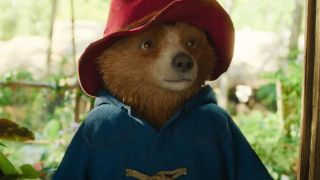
(160, 70)
(154, 117)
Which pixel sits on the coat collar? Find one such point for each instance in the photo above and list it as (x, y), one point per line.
(205, 95)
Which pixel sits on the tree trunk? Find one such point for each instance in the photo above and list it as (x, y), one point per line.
(73, 36)
(297, 16)
(52, 19)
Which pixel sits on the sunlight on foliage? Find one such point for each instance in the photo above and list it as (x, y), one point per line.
(17, 18)
(274, 138)
(262, 15)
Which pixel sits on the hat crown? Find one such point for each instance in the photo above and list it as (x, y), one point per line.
(124, 12)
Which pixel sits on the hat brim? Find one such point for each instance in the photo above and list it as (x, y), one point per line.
(196, 13)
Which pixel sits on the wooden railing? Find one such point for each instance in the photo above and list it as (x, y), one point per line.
(38, 85)
(52, 86)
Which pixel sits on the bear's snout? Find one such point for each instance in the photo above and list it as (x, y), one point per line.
(182, 62)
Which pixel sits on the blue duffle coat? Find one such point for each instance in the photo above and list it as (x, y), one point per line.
(200, 142)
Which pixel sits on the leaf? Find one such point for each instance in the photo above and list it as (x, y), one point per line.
(12, 131)
(51, 130)
(11, 177)
(6, 166)
(9, 172)
(29, 172)
(2, 145)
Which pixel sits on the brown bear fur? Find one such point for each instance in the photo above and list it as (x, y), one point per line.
(126, 71)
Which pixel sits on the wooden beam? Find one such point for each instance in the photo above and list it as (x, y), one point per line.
(38, 85)
(314, 172)
(309, 166)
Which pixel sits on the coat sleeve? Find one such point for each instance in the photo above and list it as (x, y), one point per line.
(75, 161)
(242, 162)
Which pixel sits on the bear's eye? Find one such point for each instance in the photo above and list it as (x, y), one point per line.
(147, 45)
(192, 43)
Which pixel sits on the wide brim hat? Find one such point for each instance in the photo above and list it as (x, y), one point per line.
(128, 17)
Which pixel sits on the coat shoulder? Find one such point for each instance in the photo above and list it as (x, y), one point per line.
(214, 113)
(103, 113)
(105, 125)
(214, 118)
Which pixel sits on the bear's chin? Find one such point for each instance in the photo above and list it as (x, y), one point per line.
(178, 86)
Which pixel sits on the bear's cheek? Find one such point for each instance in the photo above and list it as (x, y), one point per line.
(206, 64)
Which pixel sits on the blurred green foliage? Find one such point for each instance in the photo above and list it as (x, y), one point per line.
(96, 10)
(23, 17)
(32, 17)
(261, 14)
(9, 172)
(274, 136)
(14, 132)
(48, 112)
(266, 94)
(15, 98)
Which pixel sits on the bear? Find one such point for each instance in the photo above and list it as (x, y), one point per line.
(154, 117)
(161, 69)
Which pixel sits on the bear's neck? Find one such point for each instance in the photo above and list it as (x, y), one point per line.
(155, 105)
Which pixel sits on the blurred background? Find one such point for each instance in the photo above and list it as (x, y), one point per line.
(41, 104)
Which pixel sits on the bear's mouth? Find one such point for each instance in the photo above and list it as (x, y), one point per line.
(177, 80)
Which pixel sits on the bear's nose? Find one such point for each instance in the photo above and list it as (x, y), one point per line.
(182, 62)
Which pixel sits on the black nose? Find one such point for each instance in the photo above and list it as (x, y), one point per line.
(182, 62)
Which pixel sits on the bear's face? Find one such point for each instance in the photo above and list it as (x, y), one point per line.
(173, 57)
(157, 70)
(179, 50)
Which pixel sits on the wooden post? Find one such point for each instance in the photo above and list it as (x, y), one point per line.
(309, 165)
(73, 41)
(297, 17)
(77, 106)
(51, 29)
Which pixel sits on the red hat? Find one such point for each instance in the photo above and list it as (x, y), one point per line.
(128, 17)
